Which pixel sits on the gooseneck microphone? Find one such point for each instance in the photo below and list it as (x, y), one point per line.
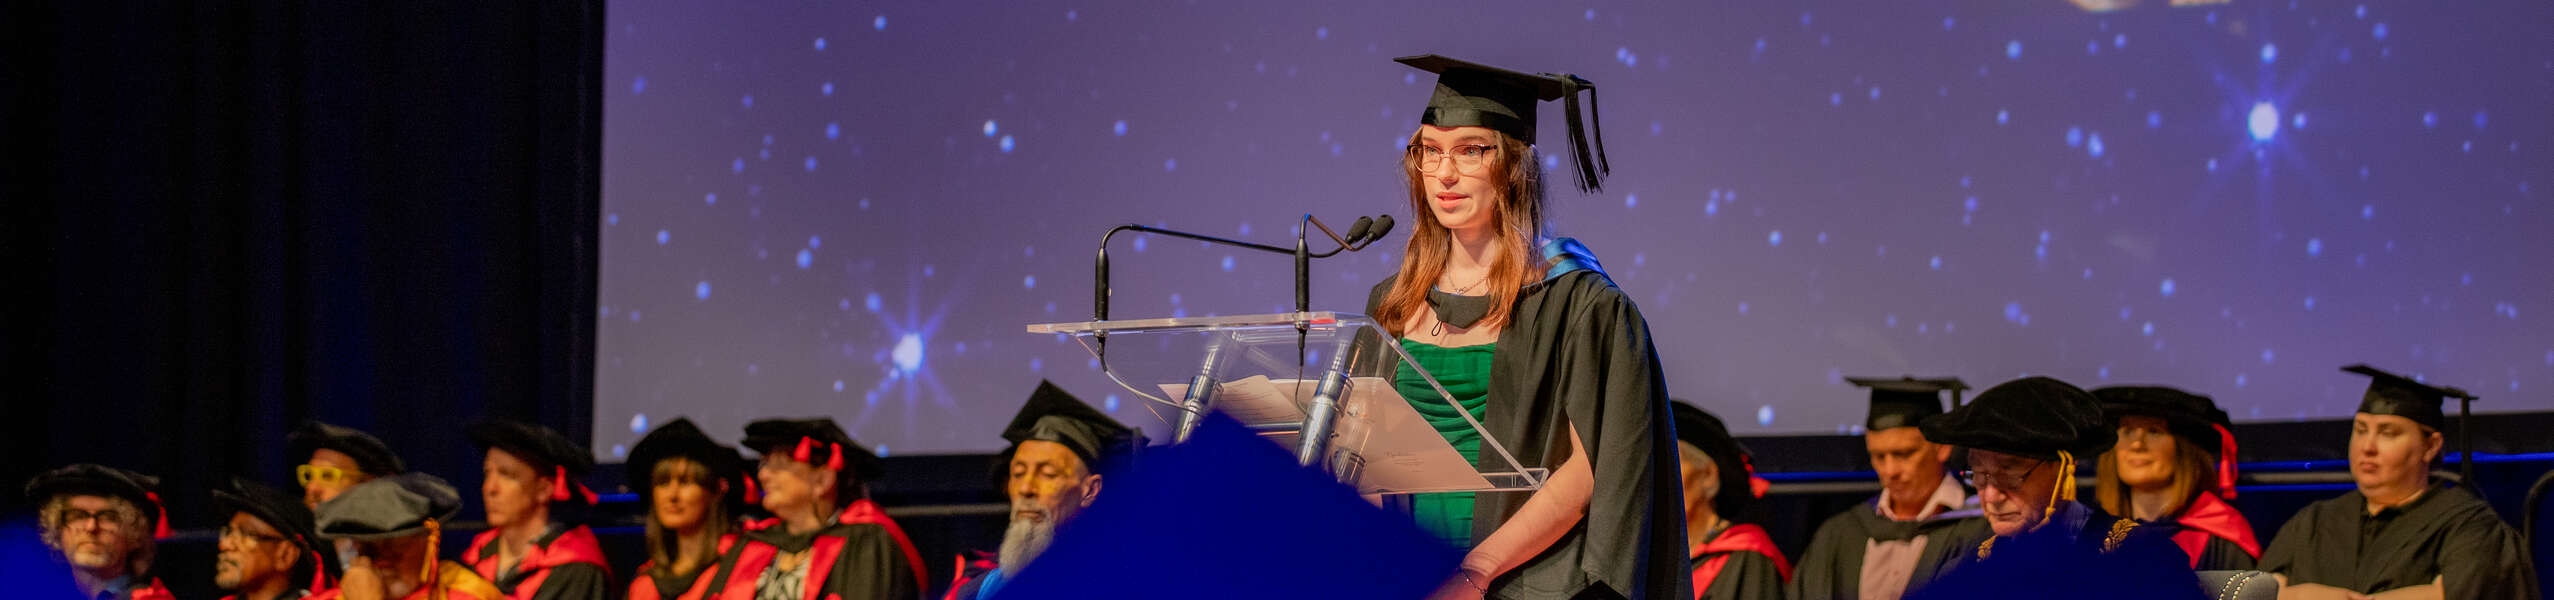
(1363, 233)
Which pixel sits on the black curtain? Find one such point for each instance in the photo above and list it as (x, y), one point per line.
(227, 217)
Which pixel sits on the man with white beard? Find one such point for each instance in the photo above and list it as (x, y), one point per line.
(1059, 446)
(105, 522)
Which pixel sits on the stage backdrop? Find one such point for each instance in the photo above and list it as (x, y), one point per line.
(852, 209)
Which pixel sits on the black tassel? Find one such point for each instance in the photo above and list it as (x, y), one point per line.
(1590, 173)
(1596, 122)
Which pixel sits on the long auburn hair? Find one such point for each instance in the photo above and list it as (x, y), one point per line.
(1517, 213)
(2194, 473)
(664, 546)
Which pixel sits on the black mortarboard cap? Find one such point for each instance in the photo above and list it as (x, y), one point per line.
(1737, 471)
(1904, 401)
(681, 439)
(370, 454)
(816, 441)
(1054, 415)
(279, 510)
(1476, 95)
(2391, 394)
(2031, 417)
(103, 481)
(389, 507)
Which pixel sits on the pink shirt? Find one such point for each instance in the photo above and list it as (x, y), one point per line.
(1886, 565)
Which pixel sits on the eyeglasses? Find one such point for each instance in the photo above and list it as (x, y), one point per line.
(320, 474)
(104, 519)
(1468, 158)
(229, 533)
(2007, 482)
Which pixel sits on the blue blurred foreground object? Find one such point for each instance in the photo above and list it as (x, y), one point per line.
(1228, 515)
(30, 567)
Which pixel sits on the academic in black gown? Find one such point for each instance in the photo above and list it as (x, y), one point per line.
(1576, 352)
(1832, 566)
(2447, 535)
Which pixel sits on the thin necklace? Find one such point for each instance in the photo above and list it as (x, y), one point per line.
(1475, 283)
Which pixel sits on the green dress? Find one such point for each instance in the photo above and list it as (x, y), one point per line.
(1465, 373)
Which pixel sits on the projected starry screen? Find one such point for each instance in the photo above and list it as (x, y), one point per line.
(852, 209)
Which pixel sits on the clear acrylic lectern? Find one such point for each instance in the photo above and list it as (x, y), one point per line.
(1336, 406)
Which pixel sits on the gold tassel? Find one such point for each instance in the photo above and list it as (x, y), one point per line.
(434, 542)
(2065, 485)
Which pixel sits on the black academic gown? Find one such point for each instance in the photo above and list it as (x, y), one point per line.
(1747, 576)
(1576, 352)
(2080, 553)
(2222, 555)
(1831, 568)
(861, 555)
(2446, 532)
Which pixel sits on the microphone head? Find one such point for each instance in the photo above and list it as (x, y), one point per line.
(1383, 225)
(1357, 231)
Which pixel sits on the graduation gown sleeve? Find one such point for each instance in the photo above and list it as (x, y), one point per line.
(1578, 356)
(2287, 550)
(1831, 568)
(2219, 554)
(872, 565)
(574, 581)
(1746, 576)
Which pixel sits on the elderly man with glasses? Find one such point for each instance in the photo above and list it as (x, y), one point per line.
(2025, 440)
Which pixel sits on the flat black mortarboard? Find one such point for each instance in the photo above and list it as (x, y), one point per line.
(1904, 401)
(397, 506)
(1737, 469)
(1470, 94)
(285, 513)
(370, 454)
(560, 459)
(816, 441)
(103, 481)
(680, 438)
(2392, 394)
(1054, 415)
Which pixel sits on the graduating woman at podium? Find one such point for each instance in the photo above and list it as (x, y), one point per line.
(1534, 341)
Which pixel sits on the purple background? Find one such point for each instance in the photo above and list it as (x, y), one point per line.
(2235, 199)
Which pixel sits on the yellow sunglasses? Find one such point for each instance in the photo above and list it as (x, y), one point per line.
(318, 474)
